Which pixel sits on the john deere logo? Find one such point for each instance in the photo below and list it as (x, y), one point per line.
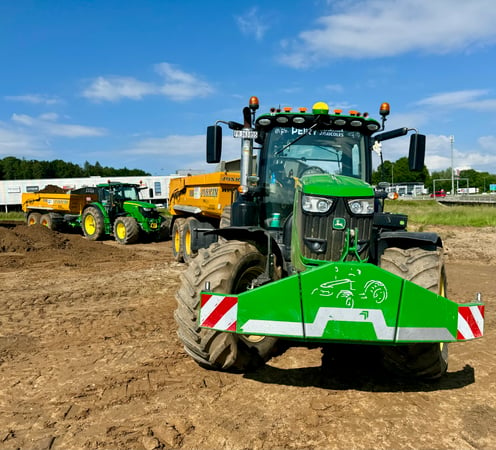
(338, 223)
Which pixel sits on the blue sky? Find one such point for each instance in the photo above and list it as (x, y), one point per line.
(135, 83)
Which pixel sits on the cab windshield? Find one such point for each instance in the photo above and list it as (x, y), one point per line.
(126, 193)
(290, 156)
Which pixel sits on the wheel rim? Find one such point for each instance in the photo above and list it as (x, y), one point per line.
(120, 230)
(187, 242)
(44, 222)
(177, 241)
(89, 224)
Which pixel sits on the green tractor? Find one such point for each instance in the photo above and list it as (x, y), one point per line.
(119, 211)
(310, 256)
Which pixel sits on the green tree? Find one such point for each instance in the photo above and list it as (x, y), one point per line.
(399, 172)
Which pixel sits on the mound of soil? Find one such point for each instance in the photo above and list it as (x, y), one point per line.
(43, 244)
(52, 189)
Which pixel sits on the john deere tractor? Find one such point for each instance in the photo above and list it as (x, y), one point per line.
(119, 211)
(309, 255)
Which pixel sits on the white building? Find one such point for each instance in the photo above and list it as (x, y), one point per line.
(156, 188)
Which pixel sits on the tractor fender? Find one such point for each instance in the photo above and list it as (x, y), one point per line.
(408, 239)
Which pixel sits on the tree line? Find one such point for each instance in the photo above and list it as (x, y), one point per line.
(12, 168)
(398, 172)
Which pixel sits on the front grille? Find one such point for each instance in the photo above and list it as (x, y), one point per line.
(316, 227)
(151, 214)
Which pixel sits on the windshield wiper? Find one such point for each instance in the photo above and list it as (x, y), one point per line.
(306, 133)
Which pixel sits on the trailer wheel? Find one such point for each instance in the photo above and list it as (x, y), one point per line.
(92, 224)
(229, 267)
(192, 241)
(177, 240)
(189, 244)
(424, 268)
(47, 221)
(126, 230)
(33, 218)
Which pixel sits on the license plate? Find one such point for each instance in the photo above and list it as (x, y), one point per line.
(245, 134)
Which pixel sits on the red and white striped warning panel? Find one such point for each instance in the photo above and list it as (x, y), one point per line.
(218, 312)
(470, 322)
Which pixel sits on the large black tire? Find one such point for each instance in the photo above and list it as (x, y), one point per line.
(225, 221)
(33, 218)
(93, 224)
(424, 268)
(126, 230)
(229, 267)
(177, 240)
(225, 217)
(164, 233)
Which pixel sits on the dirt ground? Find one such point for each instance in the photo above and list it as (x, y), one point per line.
(89, 359)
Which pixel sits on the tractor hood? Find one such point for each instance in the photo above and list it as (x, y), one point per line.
(335, 185)
(139, 204)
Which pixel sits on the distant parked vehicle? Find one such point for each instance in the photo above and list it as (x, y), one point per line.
(441, 193)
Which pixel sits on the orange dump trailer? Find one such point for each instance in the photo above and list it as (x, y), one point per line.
(49, 209)
(198, 203)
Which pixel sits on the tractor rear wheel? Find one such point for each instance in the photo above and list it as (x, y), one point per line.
(177, 240)
(33, 218)
(126, 230)
(424, 268)
(229, 267)
(93, 224)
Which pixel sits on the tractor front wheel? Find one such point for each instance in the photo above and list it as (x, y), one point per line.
(93, 224)
(126, 230)
(229, 267)
(425, 268)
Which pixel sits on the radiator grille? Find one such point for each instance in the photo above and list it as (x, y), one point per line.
(320, 227)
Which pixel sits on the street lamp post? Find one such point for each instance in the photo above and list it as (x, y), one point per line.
(452, 140)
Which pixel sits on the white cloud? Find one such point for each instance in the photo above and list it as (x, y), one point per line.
(386, 28)
(438, 154)
(34, 99)
(179, 85)
(115, 88)
(176, 85)
(470, 99)
(252, 24)
(20, 144)
(453, 98)
(181, 152)
(46, 124)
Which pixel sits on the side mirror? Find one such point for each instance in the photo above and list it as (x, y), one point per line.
(214, 144)
(416, 155)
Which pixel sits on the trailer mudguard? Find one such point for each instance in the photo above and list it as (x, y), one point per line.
(344, 302)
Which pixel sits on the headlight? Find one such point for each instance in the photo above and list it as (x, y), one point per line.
(361, 205)
(316, 204)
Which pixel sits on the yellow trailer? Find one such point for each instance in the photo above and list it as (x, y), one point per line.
(198, 203)
(50, 209)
